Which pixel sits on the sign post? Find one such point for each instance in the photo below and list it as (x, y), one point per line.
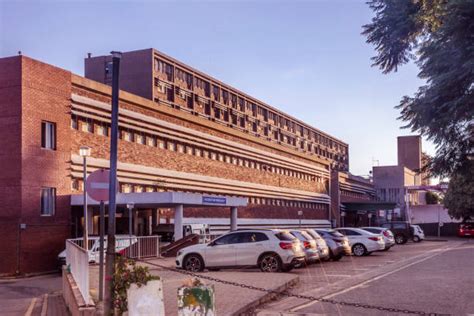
(110, 258)
(97, 187)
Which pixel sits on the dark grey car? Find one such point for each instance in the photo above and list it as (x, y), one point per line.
(337, 243)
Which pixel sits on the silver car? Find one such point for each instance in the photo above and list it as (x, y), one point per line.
(387, 235)
(310, 246)
(323, 248)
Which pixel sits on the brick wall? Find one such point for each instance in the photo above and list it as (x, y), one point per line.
(10, 162)
(46, 97)
(130, 152)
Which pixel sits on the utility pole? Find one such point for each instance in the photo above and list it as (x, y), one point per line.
(110, 256)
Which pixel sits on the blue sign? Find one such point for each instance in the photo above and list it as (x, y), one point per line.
(214, 200)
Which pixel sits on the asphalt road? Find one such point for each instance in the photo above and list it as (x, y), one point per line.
(17, 295)
(430, 277)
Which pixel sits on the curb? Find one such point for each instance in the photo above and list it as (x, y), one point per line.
(248, 309)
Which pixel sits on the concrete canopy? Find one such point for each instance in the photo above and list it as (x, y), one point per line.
(166, 200)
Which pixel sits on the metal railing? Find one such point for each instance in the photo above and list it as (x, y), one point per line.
(133, 247)
(139, 247)
(77, 259)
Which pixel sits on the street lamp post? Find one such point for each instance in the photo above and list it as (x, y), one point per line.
(84, 152)
(130, 209)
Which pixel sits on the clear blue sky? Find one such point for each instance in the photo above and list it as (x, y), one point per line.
(306, 58)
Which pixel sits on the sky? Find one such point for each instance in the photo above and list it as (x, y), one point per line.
(306, 58)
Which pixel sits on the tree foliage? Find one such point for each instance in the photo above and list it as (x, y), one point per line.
(459, 199)
(432, 198)
(438, 36)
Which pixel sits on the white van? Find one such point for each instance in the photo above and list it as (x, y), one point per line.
(121, 242)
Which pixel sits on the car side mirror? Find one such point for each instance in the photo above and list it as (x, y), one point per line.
(211, 244)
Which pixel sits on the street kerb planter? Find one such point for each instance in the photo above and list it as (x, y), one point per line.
(196, 300)
(146, 300)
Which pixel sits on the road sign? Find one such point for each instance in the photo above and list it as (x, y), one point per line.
(97, 185)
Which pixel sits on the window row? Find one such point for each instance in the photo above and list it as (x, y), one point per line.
(236, 101)
(100, 128)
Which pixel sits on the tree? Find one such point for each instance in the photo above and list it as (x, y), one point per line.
(459, 198)
(438, 36)
(432, 198)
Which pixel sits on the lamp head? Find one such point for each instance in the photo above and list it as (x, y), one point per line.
(84, 151)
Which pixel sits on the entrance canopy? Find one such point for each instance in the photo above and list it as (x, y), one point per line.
(368, 206)
(166, 200)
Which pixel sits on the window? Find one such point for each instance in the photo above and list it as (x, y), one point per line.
(48, 201)
(109, 68)
(348, 232)
(48, 135)
(285, 236)
(252, 237)
(227, 239)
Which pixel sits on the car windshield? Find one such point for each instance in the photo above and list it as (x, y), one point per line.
(299, 235)
(307, 235)
(285, 236)
(334, 233)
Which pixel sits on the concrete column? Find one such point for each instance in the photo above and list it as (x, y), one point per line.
(178, 222)
(135, 222)
(233, 218)
(90, 220)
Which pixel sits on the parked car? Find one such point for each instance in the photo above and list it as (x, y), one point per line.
(338, 244)
(121, 242)
(401, 230)
(323, 247)
(466, 230)
(361, 241)
(310, 245)
(418, 233)
(271, 250)
(387, 235)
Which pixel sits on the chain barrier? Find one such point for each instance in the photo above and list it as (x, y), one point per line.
(300, 296)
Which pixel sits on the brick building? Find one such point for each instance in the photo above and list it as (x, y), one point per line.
(181, 131)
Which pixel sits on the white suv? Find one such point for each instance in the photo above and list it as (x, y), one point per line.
(271, 250)
(361, 241)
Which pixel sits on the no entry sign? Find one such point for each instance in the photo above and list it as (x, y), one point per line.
(97, 185)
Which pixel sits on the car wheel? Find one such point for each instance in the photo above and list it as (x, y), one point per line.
(193, 263)
(336, 258)
(416, 239)
(270, 263)
(359, 250)
(400, 239)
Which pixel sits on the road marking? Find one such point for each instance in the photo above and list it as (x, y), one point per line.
(30, 308)
(339, 275)
(437, 253)
(44, 309)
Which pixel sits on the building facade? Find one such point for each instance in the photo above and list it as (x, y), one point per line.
(210, 138)
(170, 83)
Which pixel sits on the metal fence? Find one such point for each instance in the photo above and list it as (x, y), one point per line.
(77, 260)
(134, 247)
(138, 247)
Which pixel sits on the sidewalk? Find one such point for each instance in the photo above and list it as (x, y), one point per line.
(230, 300)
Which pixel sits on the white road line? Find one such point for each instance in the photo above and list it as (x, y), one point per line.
(44, 309)
(437, 253)
(30, 308)
(339, 275)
